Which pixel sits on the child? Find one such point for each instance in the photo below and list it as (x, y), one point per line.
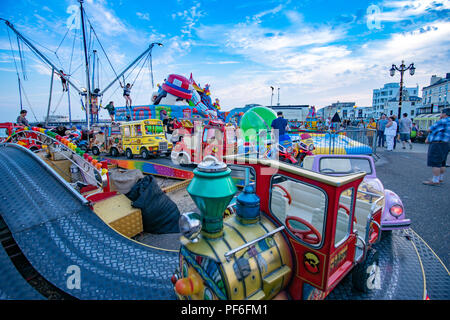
(126, 94)
(111, 110)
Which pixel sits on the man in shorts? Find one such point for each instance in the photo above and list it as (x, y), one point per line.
(438, 138)
(405, 126)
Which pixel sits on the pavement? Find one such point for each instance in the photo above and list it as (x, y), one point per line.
(428, 207)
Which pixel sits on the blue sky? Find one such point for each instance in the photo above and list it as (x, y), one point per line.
(317, 52)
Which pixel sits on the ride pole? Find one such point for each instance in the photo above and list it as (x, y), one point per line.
(86, 60)
(50, 97)
(68, 100)
(20, 92)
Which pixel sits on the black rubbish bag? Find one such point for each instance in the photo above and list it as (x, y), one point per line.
(159, 213)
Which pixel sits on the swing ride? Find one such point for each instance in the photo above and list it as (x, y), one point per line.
(90, 95)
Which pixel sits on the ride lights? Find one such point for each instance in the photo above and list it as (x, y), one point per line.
(311, 147)
(190, 225)
(396, 210)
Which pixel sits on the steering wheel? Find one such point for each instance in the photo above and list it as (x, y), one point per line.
(287, 195)
(347, 210)
(311, 236)
(327, 170)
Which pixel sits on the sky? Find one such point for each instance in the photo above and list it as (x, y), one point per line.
(317, 52)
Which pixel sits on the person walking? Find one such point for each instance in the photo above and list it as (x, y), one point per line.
(439, 139)
(414, 131)
(381, 125)
(405, 128)
(21, 119)
(111, 110)
(396, 134)
(390, 131)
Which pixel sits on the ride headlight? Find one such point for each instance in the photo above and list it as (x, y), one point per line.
(396, 210)
(311, 147)
(289, 149)
(190, 225)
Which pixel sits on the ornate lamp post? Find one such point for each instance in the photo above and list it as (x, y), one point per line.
(402, 69)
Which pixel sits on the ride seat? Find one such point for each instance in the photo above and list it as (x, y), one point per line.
(279, 205)
(307, 203)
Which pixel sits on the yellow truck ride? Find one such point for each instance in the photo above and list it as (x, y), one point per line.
(145, 138)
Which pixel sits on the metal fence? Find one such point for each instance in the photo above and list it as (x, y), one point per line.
(345, 141)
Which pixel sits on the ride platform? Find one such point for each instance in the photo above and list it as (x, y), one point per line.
(78, 253)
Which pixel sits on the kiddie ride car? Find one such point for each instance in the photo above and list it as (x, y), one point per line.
(145, 138)
(295, 233)
(11, 132)
(213, 139)
(107, 140)
(294, 151)
(371, 188)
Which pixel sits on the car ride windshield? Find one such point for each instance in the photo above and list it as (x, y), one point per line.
(153, 129)
(331, 165)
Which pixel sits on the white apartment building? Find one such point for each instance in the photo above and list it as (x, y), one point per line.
(410, 105)
(436, 95)
(389, 91)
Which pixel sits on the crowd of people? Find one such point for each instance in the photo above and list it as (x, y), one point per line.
(390, 130)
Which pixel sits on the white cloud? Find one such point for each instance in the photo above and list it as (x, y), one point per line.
(407, 9)
(189, 17)
(143, 16)
(104, 18)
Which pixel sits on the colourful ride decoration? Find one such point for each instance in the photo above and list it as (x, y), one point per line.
(312, 121)
(178, 97)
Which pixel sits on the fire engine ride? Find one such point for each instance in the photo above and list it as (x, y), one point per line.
(213, 139)
(295, 233)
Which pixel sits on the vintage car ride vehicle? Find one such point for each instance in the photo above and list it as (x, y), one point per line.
(145, 138)
(393, 216)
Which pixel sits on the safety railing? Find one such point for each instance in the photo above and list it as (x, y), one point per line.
(344, 141)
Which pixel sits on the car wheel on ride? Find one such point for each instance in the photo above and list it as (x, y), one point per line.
(183, 160)
(144, 153)
(366, 275)
(114, 152)
(95, 151)
(84, 147)
(129, 154)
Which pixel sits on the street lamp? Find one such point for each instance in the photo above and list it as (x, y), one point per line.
(271, 98)
(402, 69)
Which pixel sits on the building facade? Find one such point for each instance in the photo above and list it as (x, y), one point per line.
(410, 105)
(436, 95)
(293, 112)
(346, 110)
(381, 97)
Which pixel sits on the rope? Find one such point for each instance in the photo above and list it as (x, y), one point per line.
(59, 102)
(29, 104)
(22, 61)
(101, 46)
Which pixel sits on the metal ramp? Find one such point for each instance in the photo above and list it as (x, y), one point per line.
(68, 244)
